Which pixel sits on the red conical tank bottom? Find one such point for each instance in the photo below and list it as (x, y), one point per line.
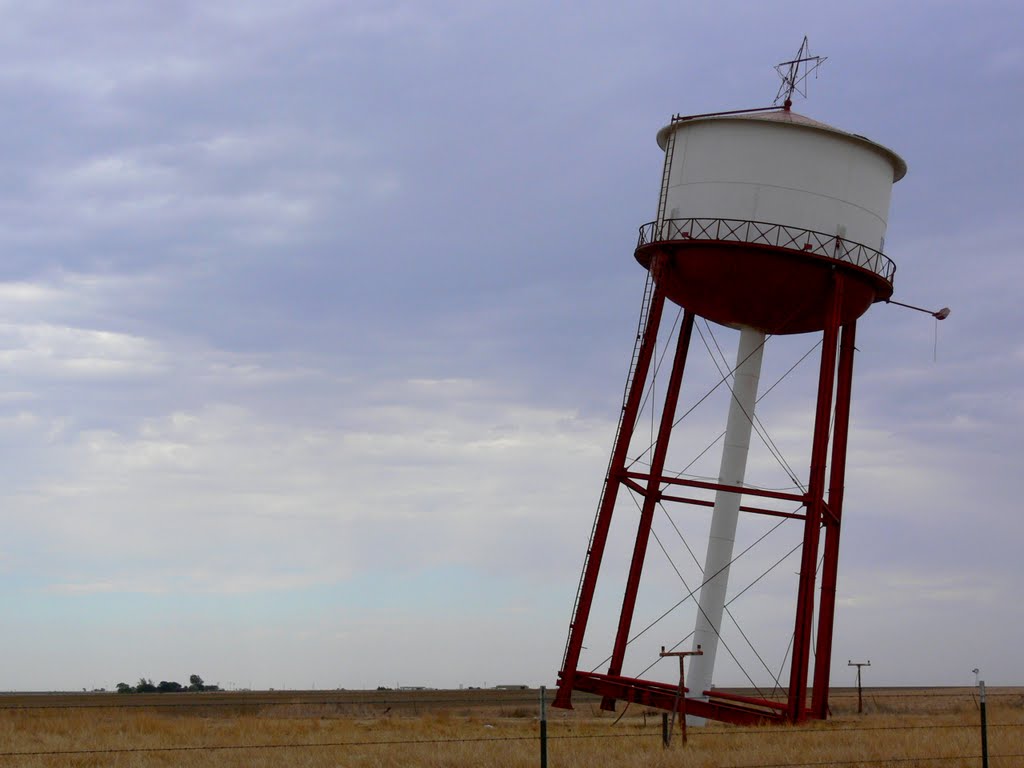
(776, 290)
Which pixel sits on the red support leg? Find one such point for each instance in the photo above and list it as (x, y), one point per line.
(651, 498)
(616, 468)
(797, 704)
(833, 524)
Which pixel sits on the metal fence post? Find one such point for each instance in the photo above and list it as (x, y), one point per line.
(543, 730)
(984, 725)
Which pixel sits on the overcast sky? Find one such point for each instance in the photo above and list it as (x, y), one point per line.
(315, 317)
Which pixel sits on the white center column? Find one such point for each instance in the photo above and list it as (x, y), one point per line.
(726, 513)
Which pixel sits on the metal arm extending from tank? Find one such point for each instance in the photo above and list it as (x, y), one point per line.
(939, 314)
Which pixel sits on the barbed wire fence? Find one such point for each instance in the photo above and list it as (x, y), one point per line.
(541, 737)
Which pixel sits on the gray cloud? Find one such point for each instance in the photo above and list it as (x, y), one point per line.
(315, 316)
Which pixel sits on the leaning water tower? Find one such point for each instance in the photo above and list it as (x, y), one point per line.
(771, 223)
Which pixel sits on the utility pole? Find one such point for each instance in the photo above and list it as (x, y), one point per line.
(679, 705)
(860, 698)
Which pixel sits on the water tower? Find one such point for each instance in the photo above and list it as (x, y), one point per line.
(774, 224)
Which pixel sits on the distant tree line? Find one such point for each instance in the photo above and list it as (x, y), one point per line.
(166, 686)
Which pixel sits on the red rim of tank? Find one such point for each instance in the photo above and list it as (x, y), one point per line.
(767, 276)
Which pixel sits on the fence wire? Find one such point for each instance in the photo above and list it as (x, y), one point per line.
(526, 698)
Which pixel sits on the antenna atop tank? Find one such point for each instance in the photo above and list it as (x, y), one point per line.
(794, 74)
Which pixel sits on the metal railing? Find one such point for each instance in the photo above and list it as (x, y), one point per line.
(775, 235)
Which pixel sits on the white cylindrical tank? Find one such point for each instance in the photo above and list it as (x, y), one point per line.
(781, 168)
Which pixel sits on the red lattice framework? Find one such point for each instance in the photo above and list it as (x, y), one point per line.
(821, 505)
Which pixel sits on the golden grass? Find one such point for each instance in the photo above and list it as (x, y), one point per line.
(494, 728)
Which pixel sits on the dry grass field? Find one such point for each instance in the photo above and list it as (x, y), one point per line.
(900, 727)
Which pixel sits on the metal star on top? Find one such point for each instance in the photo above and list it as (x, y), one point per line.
(794, 73)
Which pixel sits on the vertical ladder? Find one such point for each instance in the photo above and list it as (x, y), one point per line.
(628, 410)
(645, 311)
(666, 174)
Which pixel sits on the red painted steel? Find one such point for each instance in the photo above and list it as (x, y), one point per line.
(776, 290)
(802, 498)
(801, 242)
(578, 628)
(643, 534)
(797, 711)
(743, 507)
(838, 293)
(661, 695)
(833, 523)
(720, 694)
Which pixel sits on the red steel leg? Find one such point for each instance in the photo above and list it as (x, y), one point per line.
(616, 468)
(651, 498)
(797, 704)
(833, 523)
